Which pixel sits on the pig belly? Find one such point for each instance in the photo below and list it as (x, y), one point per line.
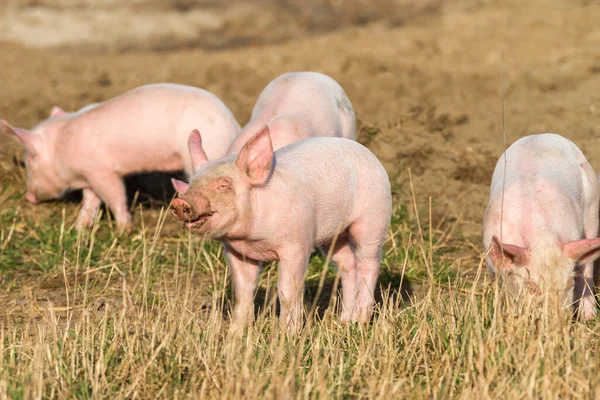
(149, 162)
(255, 251)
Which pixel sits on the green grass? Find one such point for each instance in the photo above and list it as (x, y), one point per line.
(146, 316)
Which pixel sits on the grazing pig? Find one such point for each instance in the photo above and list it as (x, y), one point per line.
(145, 129)
(278, 206)
(549, 220)
(299, 105)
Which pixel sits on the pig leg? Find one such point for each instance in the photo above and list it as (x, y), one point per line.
(345, 260)
(111, 190)
(584, 293)
(89, 209)
(290, 286)
(368, 242)
(584, 286)
(244, 273)
(367, 274)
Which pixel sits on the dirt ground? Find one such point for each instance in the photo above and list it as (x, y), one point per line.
(423, 76)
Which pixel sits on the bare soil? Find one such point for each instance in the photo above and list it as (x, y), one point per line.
(424, 77)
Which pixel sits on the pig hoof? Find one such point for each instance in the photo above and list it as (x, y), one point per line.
(587, 312)
(362, 316)
(236, 328)
(84, 222)
(291, 325)
(124, 231)
(123, 228)
(83, 225)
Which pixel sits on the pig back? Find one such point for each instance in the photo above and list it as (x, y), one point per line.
(338, 180)
(312, 96)
(148, 128)
(535, 160)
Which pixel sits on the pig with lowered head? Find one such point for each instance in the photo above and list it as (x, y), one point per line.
(549, 220)
(298, 105)
(278, 206)
(145, 129)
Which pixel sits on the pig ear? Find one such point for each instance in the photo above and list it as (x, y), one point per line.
(504, 255)
(56, 111)
(582, 250)
(180, 186)
(27, 138)
(196, 151)
(256, 157)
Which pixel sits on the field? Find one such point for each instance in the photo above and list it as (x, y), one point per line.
(93, 315)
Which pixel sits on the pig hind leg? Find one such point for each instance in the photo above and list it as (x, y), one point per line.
(344, 258)
(368, 240)
(89, 209)
(584, 283)
(111, 190)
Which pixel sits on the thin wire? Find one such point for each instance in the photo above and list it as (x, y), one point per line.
(504, 138)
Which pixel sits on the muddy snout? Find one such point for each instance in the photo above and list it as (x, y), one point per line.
(182, 210)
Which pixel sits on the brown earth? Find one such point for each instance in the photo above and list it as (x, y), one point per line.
(424, 77)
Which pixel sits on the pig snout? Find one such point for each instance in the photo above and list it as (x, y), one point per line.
(182, 210)
(30, 197)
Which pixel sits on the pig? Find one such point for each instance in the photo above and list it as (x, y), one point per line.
(145, 129)
(299, 105)
(544, 236)
(267, 205)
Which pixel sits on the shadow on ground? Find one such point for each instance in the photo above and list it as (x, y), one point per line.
(152, 190)
(391, 288)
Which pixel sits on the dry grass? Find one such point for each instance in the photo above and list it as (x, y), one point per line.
(147, 316)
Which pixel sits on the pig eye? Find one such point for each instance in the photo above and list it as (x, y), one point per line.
(223, 184)
(223, 187)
